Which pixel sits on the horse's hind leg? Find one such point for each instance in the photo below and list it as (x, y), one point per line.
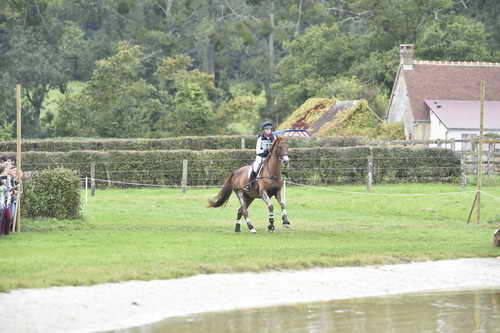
(237, 227)
(245, 202)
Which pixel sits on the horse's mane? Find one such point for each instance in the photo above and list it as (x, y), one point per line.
(276, 142)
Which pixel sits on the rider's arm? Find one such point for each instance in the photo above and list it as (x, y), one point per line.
(258, 148)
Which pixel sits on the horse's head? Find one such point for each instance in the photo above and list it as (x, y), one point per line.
(281, 147)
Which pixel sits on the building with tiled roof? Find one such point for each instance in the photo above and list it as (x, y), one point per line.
(440, 99)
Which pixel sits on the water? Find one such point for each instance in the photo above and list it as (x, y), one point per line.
(459, 312)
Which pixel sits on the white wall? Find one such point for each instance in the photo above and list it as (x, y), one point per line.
(439, 131)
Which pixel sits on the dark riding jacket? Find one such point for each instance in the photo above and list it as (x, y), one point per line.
(264, 144)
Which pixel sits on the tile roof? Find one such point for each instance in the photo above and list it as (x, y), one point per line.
(445, 80)
(465, 114)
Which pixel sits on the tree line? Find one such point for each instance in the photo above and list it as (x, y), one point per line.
(157, 68)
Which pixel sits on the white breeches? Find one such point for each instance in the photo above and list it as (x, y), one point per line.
(256, 164)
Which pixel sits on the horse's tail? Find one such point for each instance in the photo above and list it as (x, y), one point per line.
(224, 193)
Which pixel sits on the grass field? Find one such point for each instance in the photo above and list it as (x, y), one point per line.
(150, 234)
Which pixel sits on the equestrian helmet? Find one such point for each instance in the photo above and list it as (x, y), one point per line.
(266, 124)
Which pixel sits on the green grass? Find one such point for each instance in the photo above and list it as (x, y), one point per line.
(162, 233)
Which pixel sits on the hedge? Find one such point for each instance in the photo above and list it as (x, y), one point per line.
(52, 193)
(191, 143)
(209, 167)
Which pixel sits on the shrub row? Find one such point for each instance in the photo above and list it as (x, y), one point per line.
(209, 167)
(191, 143)
(52, 193)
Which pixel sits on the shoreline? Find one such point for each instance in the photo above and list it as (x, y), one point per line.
(134, 303)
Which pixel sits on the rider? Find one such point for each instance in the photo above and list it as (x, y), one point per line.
(264, 143)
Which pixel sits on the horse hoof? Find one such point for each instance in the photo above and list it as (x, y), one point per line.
(270, 228)
(287, 225)
(253, 231)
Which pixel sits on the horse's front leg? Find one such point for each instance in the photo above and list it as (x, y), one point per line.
(270, 208)
(284, 216)
(244, 210)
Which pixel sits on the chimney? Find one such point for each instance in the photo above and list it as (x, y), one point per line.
(407, 56)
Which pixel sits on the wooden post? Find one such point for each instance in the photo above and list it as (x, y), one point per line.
(242, 143)
(462, 167)
(489, 158)
(370, 172)
(472, 208)
(477, 199)
(92, 179)
(480, 153)
(86, 190)
(452, 146)
(108, 175)
(184, 175)
(17, 218)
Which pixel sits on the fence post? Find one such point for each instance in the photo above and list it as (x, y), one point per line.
(243, 143)
(462, 166)
(92, 179)
(370, 171)
(453, 144)
(490, 157)
(86, 190)
(108, 176)
(184, 175)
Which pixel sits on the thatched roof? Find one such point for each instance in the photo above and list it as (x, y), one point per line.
(327, 116)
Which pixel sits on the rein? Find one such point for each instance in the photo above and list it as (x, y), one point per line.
(272, 151)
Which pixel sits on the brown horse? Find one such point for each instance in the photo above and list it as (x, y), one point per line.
(268, 184)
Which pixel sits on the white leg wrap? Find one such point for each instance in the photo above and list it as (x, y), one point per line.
(283, 212)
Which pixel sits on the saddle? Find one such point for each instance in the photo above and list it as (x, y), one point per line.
(258, 171)
(253, 182)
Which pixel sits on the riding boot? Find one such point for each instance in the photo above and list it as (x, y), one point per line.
(248, 186)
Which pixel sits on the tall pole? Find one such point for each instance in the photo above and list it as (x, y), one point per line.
(18, 158)
(480, 152)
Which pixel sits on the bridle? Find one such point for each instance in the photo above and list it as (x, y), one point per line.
(283, 156)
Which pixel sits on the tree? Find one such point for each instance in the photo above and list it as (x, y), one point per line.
(193, 113)
(35, 64)
(456, 38)
(315, 58)
(187, 96)
(378, 68)
(485, 11)
(116, 102)
(7, 107)
(391, 22)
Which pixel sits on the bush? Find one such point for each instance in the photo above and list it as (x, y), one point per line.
(392, 131)
(210, 167)
(185, 142)
(52, 193)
